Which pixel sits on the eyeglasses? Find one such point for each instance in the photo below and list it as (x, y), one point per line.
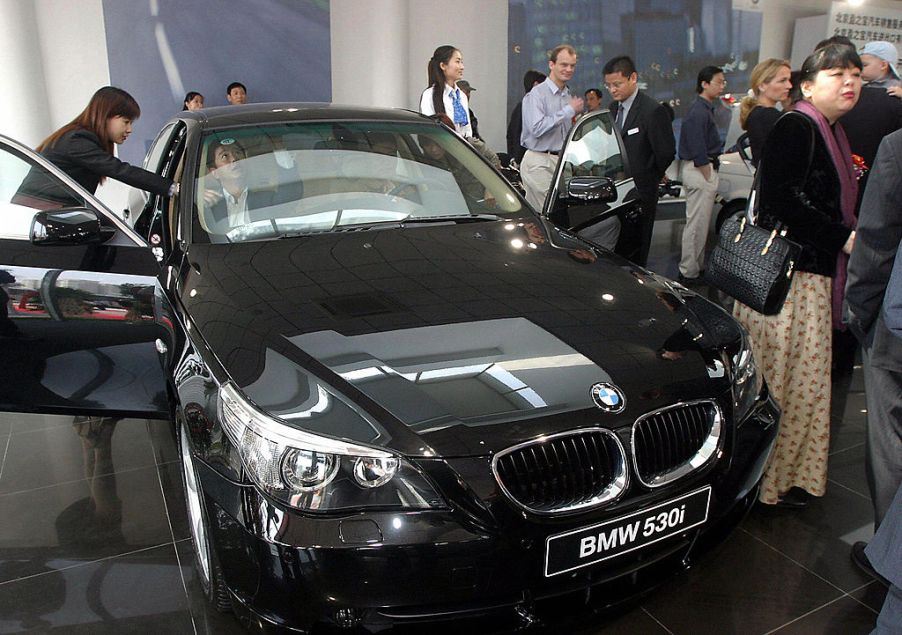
(620, 83)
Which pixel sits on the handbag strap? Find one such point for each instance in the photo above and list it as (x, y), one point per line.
(751, 209)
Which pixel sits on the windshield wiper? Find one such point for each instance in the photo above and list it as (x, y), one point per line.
(470, 218)
(395, 224)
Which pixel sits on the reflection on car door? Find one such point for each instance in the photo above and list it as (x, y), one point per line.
(84, 325)
(593, 149)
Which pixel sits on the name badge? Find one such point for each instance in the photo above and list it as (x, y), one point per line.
(632, 131)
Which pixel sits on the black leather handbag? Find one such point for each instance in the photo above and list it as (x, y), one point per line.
(753, 265)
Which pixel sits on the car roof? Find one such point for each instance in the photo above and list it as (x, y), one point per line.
(279, 112)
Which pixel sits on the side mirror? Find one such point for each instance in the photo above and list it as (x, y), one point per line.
(592, 189)
(67, 226)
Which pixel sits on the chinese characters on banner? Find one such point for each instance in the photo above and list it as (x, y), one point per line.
(865, 24)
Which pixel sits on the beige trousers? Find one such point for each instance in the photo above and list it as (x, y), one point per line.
(536, 172)
(700, 193)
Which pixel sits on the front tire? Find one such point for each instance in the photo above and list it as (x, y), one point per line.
(206, 563)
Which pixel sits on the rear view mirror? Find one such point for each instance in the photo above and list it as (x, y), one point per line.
(592, 189)
(68, 226)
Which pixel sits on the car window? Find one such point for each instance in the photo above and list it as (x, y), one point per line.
(26, 187)
(593, 151)
(262, 182)
(160, 145)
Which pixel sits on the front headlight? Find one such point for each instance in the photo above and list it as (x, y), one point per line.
(747, 381)
(317, 473)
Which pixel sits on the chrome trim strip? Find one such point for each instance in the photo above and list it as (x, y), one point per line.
(709, 448)
(611, 493)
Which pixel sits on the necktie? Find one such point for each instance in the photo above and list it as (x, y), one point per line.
(619, 118)
(460, 115)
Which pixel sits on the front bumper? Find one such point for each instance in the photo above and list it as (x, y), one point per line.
(377, 570)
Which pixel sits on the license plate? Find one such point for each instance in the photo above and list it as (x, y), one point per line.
(590, 545)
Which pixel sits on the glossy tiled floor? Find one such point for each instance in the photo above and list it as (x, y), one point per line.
(94, 539)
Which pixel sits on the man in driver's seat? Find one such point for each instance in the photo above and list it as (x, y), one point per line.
(233, 200)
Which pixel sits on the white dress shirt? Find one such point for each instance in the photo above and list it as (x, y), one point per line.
(428, 108)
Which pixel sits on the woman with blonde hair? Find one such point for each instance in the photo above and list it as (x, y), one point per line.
(758, 113)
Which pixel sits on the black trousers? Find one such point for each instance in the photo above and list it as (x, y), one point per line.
(635, 235)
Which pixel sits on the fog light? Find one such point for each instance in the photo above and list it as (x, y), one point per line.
(374, 471)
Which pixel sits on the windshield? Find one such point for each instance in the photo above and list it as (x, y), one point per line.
(260, 182)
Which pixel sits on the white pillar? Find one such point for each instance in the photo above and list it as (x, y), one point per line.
(24, 114)
(369, 52)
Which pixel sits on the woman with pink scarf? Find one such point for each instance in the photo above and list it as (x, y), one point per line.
(808, 187)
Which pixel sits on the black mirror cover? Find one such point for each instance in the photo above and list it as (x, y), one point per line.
(67, 226)
(592, 189)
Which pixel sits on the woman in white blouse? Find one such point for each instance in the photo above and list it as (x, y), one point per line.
(443, 96)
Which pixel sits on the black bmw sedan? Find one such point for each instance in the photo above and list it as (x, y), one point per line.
(401, 395)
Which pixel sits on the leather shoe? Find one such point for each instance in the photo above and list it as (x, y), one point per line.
(795, 498)
(860, 558)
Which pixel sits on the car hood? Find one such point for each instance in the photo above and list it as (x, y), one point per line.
(450, 339)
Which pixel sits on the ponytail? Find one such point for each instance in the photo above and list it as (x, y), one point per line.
(436, 76)
(746, 106)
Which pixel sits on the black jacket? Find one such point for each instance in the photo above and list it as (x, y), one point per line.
(759, 124)
(648, 137)
(876, 115)
(809, 206)
(79, 154)
(514, 129)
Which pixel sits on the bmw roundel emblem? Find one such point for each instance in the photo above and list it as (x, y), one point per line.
(608, 397)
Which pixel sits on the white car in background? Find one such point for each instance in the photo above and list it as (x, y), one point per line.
(736, 177)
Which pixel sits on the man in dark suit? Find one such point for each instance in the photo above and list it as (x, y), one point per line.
(228, 199)
(645, 126)
(877, 239)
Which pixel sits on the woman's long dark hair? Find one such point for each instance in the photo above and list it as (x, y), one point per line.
(442, 55)
(108, 102)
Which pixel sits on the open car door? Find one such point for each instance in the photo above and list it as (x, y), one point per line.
(591, 189)
(84, 326)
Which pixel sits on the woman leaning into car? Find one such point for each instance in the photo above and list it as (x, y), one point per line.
(808, 187)
(758, 111)
(83, 148)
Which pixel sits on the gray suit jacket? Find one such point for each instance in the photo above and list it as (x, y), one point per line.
(892, 302)
(876, 242)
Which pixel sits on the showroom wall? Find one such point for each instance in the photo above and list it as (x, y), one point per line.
(380, 49)
(55, 54)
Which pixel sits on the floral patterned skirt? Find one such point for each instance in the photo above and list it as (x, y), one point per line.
(794, 350)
